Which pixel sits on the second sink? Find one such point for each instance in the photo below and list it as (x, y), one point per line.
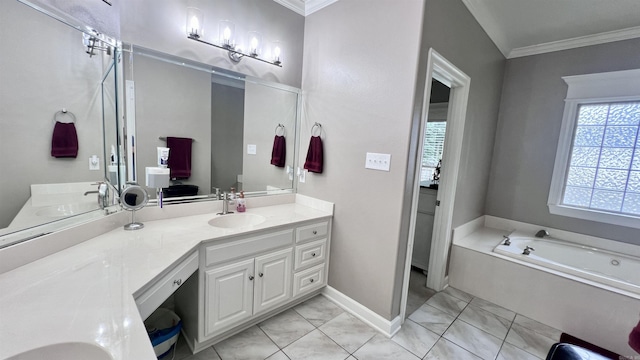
(236, 220)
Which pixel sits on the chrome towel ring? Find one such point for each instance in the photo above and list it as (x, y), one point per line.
(316, 127)
(280, 127)
(63, 113)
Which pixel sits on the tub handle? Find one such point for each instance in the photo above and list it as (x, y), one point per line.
(528, 250)
(507, 240)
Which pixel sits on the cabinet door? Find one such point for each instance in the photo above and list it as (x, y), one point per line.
(273, 280)
(228, 295)
(422, 241)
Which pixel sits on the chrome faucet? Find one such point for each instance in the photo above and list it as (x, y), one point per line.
(103, 194)
(225, 204)
(528, 250)
(507, 240)
(542, 233)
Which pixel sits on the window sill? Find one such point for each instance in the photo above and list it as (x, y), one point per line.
(595, 215)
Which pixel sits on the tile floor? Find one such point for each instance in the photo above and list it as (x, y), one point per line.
(448, 325)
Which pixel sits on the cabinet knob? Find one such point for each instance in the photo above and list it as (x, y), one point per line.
(311, 280)
(315, 232)
(177, 282)
(313, 254)
(260, 274)
(250, 277)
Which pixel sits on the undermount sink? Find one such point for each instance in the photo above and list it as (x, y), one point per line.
(65, 351)
(66, 209)
(236, 220)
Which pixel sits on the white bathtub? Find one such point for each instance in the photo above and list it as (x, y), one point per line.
(601, 266)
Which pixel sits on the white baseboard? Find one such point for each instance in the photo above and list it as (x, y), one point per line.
(384, 326)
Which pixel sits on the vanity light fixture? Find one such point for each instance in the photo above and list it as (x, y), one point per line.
(227, 39)
(195, 19)
(93, 41)
(255, 43)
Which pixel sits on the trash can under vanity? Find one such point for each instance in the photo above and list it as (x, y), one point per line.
(163, 328)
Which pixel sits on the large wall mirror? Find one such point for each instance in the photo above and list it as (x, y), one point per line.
(228, 120)
(41, 83)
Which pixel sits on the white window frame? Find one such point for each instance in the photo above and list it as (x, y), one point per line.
(617, 86)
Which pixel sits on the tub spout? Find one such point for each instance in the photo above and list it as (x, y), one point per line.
(542, 233)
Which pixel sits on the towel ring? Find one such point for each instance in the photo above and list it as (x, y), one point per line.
(316, 126)
(64, 112)
(280, 126)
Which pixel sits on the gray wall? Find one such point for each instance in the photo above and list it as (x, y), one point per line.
(172, 100)
(528, 130)
(160, 25)
(365, 100)
(35, 83)
(363, 97)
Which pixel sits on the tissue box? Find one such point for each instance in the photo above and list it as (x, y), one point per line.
(157, 177)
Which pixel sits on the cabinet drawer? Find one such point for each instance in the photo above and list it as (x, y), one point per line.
(309, 254)
(243, 247)
(152, 298)
(308, 280)
(312, 231)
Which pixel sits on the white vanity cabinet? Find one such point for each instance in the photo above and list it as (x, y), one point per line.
(245, 279)
(240, 290)
(424, 228)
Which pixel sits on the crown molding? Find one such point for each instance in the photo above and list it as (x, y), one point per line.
(589, 40)
(305, 7)
(295, 5)
(315, 5)
(489, 24)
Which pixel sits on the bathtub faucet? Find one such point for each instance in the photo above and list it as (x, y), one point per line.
(542, 233)
(528, 250)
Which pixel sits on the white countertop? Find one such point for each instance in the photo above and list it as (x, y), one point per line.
(84, 293)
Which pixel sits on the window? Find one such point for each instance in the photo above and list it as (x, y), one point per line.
(433, 148)
(597, 169)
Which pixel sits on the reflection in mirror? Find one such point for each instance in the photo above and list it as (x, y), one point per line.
(134, 198)
(114, 164)
(227, 122)
(40, 183)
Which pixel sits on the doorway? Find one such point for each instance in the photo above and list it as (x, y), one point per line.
(445, 73)
(430, 169)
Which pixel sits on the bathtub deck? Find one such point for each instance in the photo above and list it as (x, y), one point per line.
(586, 310)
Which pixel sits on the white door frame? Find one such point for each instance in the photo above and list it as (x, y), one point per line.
(444, 71)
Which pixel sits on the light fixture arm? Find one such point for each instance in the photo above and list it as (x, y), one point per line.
(234, 54)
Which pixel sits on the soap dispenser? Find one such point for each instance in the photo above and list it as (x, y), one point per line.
(240, 204)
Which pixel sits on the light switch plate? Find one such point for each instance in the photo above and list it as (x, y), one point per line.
(251, 149)
(94, 162)
(377, 161)
(302, 175)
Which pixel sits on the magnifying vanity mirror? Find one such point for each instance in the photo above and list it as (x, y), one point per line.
(134, 198)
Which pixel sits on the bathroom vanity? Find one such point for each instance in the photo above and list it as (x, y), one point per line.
(243, 280)
(225, 277)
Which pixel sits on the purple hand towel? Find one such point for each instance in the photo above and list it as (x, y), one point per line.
(179, 157)
(314, 155)
(64, 142)
(279, 152)
(634, 338)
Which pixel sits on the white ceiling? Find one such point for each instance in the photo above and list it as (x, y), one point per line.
(528, 27)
